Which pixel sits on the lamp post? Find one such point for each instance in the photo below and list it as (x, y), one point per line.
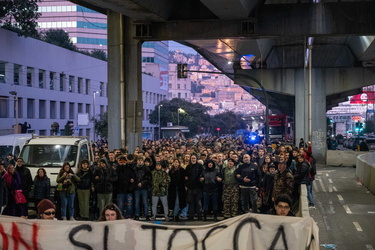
(16, 107)
(93, 111)
(159, 121)
(178, 115)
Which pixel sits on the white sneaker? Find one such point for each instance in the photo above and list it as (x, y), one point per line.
(63, 218)
(72, 219)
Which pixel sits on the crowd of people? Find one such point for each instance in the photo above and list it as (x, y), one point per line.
(190, 179)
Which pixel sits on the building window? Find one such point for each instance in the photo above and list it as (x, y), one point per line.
(20, 108)
(87, 86)
(41, 78)
(71, 110)
(16, 74)
(62, 76)
(52, 110)
(71, 81)
(101, 88)
(179, 95)
(80, 80)
(2, 72)
(4, 107)
(178, 86)
(88, 109)
(102, 109)
(42, 109)
(186, 95)
(29, 76)
(62, 110)
(80, 108)
(51, 80)
(30, 108)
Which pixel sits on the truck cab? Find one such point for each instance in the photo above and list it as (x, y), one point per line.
(12, 144)
(50, 152)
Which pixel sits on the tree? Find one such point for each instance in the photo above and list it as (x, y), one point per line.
(101, 125)
(99, 54)
(228, 122)
(59, 37)
(194, 115)
(20, 16)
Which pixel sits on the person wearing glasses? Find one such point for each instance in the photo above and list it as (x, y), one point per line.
(46, 210)
(110, 212)
(282, 206)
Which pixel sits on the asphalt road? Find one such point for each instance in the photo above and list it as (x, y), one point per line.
(345, 210)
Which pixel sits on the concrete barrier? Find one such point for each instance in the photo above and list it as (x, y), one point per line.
(343, 158)
(365, 171)
(303, 202)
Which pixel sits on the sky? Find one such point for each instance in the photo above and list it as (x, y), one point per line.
(174, 46)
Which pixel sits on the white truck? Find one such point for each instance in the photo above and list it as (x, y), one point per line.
(50, 152)
(12, 144)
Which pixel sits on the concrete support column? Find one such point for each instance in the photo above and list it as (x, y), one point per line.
(124, 84)
(319, 120)
(301, 105)
(133, 86)
(115, 87)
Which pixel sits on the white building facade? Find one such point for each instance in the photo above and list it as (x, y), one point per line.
(48, 84)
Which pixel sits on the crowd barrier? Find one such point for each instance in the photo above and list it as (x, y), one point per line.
(365, 171)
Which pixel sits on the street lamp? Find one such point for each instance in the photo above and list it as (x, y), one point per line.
(178, 115)
(16, 104)
(159, 120)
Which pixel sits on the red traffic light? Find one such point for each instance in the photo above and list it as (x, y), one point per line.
(217, 129)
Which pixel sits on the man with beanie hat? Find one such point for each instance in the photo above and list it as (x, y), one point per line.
(46, 210)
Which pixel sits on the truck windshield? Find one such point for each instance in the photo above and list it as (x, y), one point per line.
(5, 150)
(49, 155)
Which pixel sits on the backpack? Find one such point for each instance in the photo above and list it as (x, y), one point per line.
(312, 168)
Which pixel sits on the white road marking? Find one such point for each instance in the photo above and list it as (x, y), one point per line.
(330, 189)
(316, 189)
(335, 189)
(340, 197)
(347, 209)
(327, 175)
(369, 247)
(371, 212)
(357, 226)
(330, 181)
(322, 186)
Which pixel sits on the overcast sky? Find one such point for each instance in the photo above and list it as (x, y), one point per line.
(174, 46)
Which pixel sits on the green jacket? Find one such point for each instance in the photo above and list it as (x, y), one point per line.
(67, 185)
(160, 180)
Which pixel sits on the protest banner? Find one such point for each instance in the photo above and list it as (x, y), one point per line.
(248, 231)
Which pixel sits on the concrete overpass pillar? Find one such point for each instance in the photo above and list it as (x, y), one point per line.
(133, 86)
(116, 88)
(301, 106)
(124, 84)
(319, 120)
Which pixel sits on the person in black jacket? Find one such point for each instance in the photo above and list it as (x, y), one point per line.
(248, 175)
(142, 184)
(84, 189)
(124, 187)
(26, 179)
(194, 187)
(42, 186)
(210, 178)
(103, 179)
(176, 189)
(3, 195)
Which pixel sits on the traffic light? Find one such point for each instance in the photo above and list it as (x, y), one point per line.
(182, 70)
(69, 128)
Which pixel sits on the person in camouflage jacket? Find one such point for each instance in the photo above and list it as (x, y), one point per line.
(160, 180)
(284, 181)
